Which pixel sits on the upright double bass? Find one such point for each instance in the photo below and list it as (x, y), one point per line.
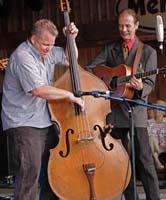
(87, 164)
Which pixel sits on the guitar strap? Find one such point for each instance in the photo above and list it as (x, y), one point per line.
(137, 57)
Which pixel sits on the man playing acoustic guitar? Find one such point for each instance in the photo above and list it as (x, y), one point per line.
(112, 55)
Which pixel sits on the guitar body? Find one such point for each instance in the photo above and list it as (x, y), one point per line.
(3, 63)
(107, 74)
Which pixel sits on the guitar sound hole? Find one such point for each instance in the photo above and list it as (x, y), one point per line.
(113, 83)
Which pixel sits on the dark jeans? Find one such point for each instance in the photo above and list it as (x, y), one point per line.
(143, 161)
(31, 154)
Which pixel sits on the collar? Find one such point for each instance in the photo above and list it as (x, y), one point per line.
(129, 43)
(32, 48)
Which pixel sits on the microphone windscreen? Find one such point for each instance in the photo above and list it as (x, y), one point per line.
(159, 28)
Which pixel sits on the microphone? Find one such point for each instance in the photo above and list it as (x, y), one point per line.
(95, 93)
(160, 32)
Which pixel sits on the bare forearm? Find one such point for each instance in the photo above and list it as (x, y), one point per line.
(53, 93)
(50, 93)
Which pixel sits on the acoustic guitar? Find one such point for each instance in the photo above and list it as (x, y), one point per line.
(3, 63)
(117, 78)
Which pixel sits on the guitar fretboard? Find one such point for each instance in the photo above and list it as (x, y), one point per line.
(124, 79)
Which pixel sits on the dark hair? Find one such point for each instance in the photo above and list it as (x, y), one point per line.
(130, 12)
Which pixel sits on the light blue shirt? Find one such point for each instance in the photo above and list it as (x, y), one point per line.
(25, 72)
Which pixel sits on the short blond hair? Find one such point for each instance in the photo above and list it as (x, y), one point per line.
(44, 24)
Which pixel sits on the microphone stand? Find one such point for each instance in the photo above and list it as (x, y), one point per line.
(131, 127)
(136, 102)
(127, 102)
(132, 143)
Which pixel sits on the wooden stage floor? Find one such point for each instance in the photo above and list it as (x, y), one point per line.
(6, 191)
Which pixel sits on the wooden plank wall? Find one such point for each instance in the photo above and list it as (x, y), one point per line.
(96, 22)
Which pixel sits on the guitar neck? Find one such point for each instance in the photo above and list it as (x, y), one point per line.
(124, 79)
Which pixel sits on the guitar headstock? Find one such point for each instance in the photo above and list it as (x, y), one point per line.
(65, 6)
(3, 63)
